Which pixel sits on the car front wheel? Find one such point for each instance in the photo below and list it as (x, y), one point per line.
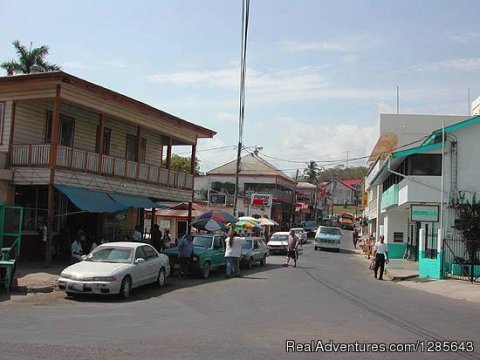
(250, 263)
(161, 278)
(126, 287)
(206, 270)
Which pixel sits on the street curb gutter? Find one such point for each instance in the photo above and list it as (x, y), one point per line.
(34, 289)
(403, 278)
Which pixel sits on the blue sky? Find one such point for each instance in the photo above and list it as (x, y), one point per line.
(319, 72)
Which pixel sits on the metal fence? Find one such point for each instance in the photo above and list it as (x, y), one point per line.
(460, 263)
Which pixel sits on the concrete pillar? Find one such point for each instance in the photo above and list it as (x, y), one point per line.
(421, 242)
(440, 240)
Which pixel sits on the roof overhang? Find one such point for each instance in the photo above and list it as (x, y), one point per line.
(386, 143)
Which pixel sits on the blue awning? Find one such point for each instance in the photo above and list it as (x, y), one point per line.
(90, 200)
(133, 201)
(103, 202)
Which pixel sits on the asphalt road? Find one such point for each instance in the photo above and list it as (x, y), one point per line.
(329, 296)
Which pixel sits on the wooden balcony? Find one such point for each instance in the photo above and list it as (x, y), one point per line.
(92, 162)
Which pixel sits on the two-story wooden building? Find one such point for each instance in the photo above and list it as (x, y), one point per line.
(76, 154)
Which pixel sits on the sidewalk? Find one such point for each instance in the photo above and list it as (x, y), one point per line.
(405, 273)
(35, 277)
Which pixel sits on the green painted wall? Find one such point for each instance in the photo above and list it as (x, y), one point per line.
(396, 250)
(430, 268)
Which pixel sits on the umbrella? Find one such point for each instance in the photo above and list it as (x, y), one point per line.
(248, 218)
(208, 224)
(217, 215)
(267, 222)
(248, 225)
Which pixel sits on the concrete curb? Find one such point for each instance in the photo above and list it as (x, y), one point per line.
(34, 289)
(403, 278)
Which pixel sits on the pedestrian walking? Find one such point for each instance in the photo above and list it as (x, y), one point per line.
(156, 238)
(292, 248)
(355, 238)
(185, 252)
(381, 257)
(232, 254)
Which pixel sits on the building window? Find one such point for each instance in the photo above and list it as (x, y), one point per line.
(398, 237)
(131, 149)
(107, 133)
(425, 165)
(67, 129)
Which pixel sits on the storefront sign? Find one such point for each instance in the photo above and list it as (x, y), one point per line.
(427, 213)
(261, 200)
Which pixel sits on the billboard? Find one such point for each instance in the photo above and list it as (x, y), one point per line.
(263, 201)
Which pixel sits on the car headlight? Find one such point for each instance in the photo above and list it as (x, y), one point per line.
(195, 258)
(65, 275)
(104, 278)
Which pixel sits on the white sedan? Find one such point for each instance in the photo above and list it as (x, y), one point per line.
(115, 268)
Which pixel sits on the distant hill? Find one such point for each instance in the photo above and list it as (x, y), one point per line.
(342, 173)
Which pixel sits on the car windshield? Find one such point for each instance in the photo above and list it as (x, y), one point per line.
(203, 241)
(278, 237)
(248, 245)
(309, 223)
(330, 231)
(111, 255)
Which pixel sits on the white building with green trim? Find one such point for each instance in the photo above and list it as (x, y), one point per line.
(418, 184)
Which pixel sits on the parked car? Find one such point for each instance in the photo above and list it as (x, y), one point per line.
(301, 234)
(254, 250)
(278, 242)
(328, 237)
(115, 268)
(208, 254)
(309, 227)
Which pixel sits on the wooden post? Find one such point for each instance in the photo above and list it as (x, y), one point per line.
(101, 130)
(169, 152)
(12, 128)
(192, 172)
(139, 153)
(52, 164)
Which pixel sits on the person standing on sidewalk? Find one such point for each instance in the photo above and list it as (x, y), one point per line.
(233, 252)
(292, 247)
(185, 251)
(381, 256)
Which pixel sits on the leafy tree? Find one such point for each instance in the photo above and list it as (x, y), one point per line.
(181, 163)
(310, 174)
(468, 223)
(29, 60)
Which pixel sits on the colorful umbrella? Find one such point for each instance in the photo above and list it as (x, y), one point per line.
(267, 222)
(208, 224)
(217, 215)
(248, 225)
(248, 218)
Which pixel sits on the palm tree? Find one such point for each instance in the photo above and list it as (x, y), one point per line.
(311, 172)
(29, 60)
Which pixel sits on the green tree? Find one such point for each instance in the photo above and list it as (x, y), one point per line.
(181, 163)
(310, 173)
(468, 223)
(29, 60)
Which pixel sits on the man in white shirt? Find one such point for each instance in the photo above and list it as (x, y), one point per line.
(233, 252)
(76, 251)
(381, 255)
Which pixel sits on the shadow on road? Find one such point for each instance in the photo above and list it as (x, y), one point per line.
(173, 284)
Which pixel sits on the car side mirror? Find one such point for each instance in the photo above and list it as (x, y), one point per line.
(140, 261)
(84, 257)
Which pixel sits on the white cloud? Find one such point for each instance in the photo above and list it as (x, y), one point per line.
(465, 38)
(116, 63)
(308, 82)
(452, 64)
(316, 46)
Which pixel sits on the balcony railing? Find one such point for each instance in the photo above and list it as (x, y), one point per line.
(91, 162)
